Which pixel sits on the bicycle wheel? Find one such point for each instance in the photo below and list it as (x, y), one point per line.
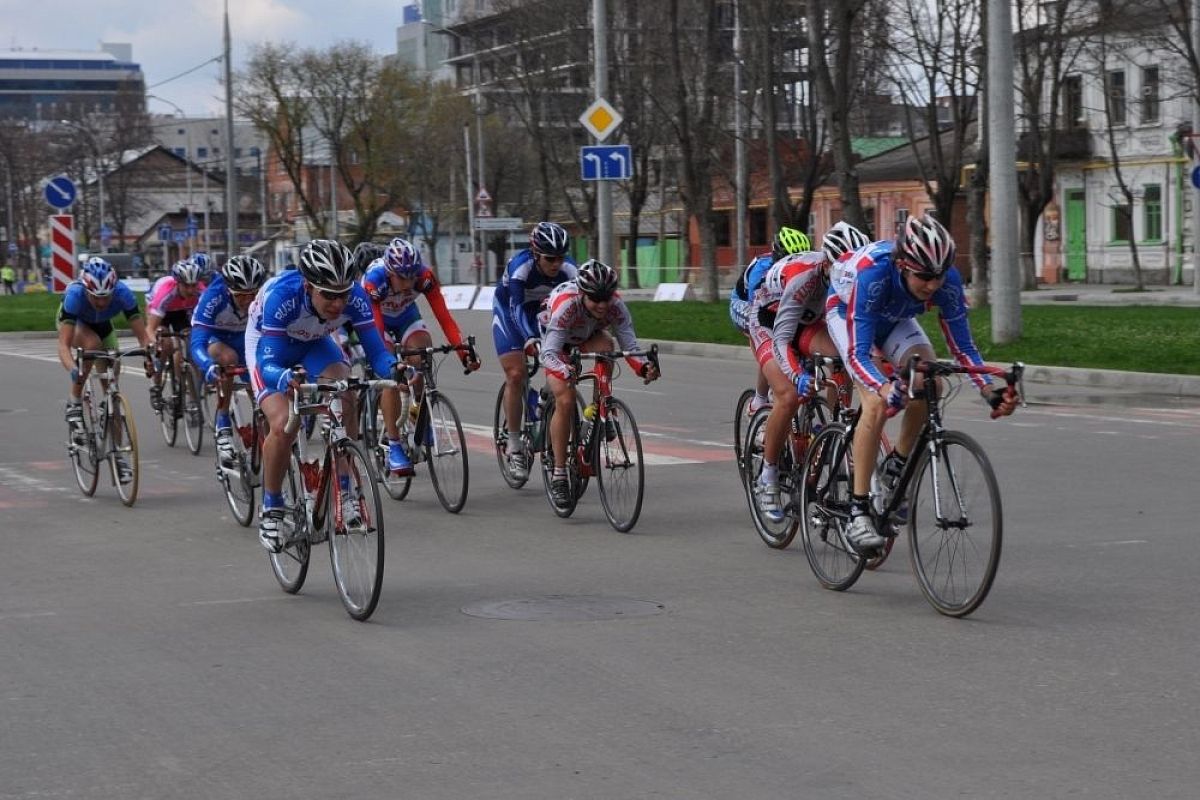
(357, 554)
(777, 535)
(620, 471)
(955, 525)
(238, 481)
(500, 438)
(446, 453)
(168, 419)
(82, 450)
(291, 564)
(741, 424)
(193, 409)
(396, 486)
(825, 509)
(574, 475)
(123, 435)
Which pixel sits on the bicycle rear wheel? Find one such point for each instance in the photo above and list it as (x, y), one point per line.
(825, 509)
(291, 564)
(82, 450)
(446, 452)
(168, 419)
(620, 471)
(575, 476)
(356, 554)
(774, 534)
(500, 438)
(123, 435)
(955, 525)
(193, 409)
(741, 424)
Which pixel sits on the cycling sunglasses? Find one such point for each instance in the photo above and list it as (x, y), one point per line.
(920, 274)
(330, 294)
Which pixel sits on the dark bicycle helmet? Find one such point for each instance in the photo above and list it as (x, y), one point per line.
(244, 273)
(327, 264)
(365, 253)
(597, 280)
(549, 239)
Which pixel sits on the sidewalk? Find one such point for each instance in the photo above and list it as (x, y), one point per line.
(1092, 294)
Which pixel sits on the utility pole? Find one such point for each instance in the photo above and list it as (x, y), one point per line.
(231, 193)
(604, 210)
(482, 252)
(1195, 31)
(1002, 153)
(471, 206)
(739, 139)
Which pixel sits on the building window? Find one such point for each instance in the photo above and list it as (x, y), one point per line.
(1122, 222)
(869, 216)
(721, 228)
(1116, 97)
(179, 151)
(901, 218)
(1073, 101)
(181, 132)
(201, 152)
(758, 226)
(1150, 94)
(1152, 213)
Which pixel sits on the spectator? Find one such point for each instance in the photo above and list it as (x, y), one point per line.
(9, 276)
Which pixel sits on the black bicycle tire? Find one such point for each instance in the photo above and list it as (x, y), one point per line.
(548, 464)
(81, 453)
(828, 441)
(624, 419)
(352, 452)
(191, 393)
(298, 548)
(764, 528)
(739, 433)
(129, 494)
(435, 400)
(988, 576)
(500, 440)
(166, 412)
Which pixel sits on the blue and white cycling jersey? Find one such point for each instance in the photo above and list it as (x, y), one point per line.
(518, 298)
(217, 318)
(872, 298)
(740, 299)
(284, 326)
(75, 305)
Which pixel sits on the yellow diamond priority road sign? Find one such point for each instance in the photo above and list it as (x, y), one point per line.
(600, 119)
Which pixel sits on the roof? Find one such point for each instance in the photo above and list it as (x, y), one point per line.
(871, 146)
(899, 163)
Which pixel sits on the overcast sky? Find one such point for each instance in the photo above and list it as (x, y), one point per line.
(171, 38)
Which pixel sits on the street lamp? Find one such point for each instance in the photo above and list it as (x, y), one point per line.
(99, 174)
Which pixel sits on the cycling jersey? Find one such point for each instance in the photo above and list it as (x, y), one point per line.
(519, 295)
(76, 308)
(397, 310)
(789, 298)
(743, 291)
(164, 297)
(284, 330)
(217, 318)
(566, 323)
(873, 299)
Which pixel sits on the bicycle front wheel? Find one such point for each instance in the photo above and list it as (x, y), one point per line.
(356, 553)
(291, 564)
(193, 410)
(124, 446)
(500, 439)
(741, 424)
(168, 419)
(82, 448)
(825, 488)
(446, 452)
(238, 480)
(578, 482)
(620, 471)
(955, 524)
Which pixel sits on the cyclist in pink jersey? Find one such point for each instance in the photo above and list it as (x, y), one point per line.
(171, 302)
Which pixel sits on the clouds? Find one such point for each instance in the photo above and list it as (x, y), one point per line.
(169, 39)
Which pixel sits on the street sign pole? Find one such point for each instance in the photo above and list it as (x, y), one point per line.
(62, 252)
(604, 189)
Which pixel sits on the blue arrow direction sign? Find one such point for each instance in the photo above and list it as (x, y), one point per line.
(60, 191)
(179, 236)
(606, 162)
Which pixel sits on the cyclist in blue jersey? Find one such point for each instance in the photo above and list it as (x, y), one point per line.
(218, 337)
(788, 241)
(287, 340)
(527, 281)
(84, 320)
(879, 291)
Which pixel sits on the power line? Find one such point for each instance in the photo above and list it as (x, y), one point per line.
(188, 72)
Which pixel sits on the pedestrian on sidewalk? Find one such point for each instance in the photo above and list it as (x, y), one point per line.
(9, 276)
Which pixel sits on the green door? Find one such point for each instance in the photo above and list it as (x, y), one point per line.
(1076, 235)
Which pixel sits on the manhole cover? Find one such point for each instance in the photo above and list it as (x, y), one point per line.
(561, 607)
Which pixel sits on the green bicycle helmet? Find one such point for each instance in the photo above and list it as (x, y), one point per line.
(789, 241)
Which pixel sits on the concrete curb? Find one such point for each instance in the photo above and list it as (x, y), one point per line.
(1146, 382)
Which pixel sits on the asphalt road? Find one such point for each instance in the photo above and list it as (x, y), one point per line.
(149, 653)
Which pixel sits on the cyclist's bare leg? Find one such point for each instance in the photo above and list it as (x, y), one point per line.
(513, 364)
(277, 447)
(415, 340)
(779, 419)
(821, 343)
(227, 357)
(85, 338)
(389, 402)
(871, 419)
(914, 414)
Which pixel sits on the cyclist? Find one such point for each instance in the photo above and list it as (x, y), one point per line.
(786, 325)
(203, 263)
(84, 320)
(172, 300)
(880, 290)
(218, 336)
(787, 241)
(526, 283)
(288, 338)
(580, 313)
(392, 284)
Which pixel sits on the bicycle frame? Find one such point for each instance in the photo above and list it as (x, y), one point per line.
(428, 372)
(601, 395)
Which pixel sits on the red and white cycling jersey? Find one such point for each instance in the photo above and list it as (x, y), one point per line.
(565, 323)
(791, 297)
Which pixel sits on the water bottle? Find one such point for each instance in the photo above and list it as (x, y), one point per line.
(589, 423)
